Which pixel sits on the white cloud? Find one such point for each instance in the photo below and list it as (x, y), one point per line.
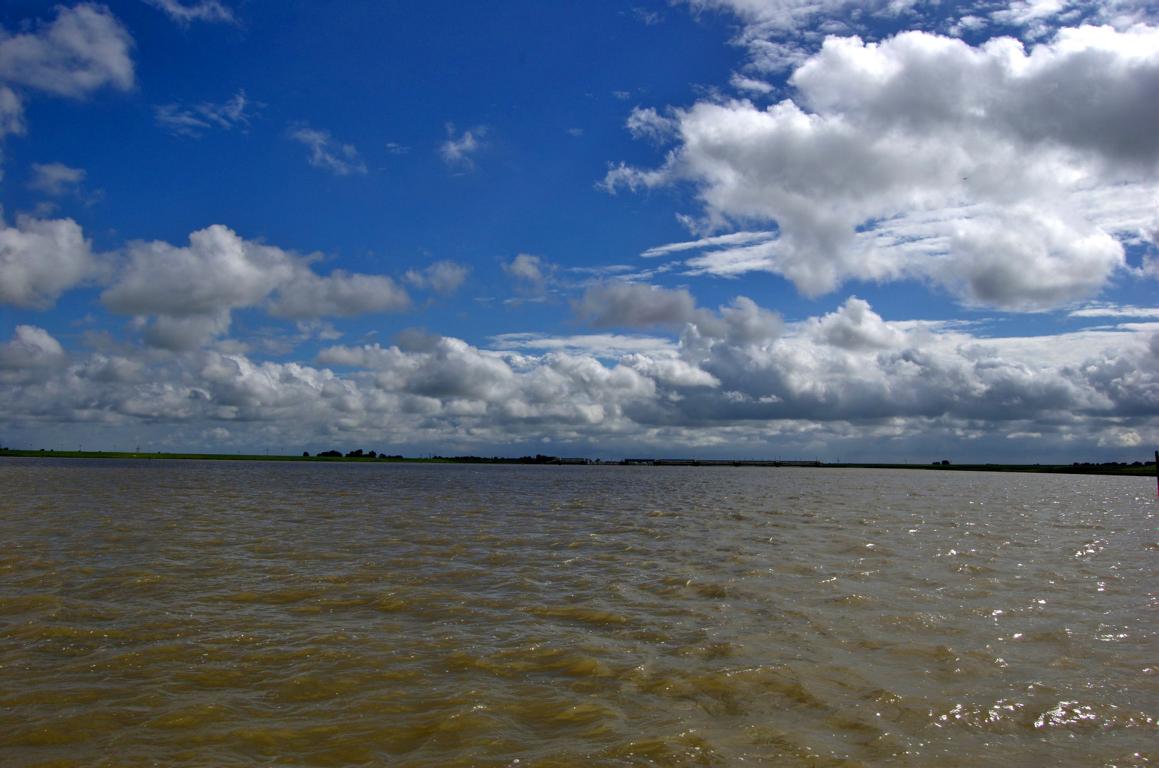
(734, 384)
(1028, 260)
(744, 322)
(1120, 438)
(193, 121)
(83, 49)
(442, 277)
(41, 259)
(987, 170)
(1112, 310)
(196, 10)
(459, 151)
(1029, 12)
(855, 326)
(327, 153)
(217, 271)
(601, 345)
(633, 305)
(1039, 18)
(339, 294)
(181, 333)
(647, 123)
(56, 179)
(531, 273)
(781, 34)
(11, 113)
(734, 239)
(1085, 90)
(750, 84)
(29, 355)
(769, 16)
(190, 291)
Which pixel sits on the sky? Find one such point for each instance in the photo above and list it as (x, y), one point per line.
(797, 229)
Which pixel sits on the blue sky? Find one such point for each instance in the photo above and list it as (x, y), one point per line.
(750, 228)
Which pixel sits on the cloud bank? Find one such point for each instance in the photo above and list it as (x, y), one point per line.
(738, 379)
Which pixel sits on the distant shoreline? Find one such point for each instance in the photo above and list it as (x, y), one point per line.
(1136, 469)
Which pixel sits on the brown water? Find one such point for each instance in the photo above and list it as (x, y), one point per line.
(238, 614)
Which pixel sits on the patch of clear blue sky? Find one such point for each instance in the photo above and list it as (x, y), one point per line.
(532, 74)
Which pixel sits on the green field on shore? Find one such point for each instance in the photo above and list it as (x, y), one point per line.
(1137, 468)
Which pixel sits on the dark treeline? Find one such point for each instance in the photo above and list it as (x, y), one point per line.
(359, 454)
(538, 458)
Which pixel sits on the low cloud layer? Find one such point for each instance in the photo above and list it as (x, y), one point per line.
(738, 380)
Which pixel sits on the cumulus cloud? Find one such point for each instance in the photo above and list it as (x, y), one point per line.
(531, 273)
(922, 157)
(338, 294)
(450, 381)
(84, 48)
(633, 305)
(855, 326)
(198, 10)
(1029, 261)
(1089, 89)
(854, 365)
(442, 277)
(739, 380)
(193, 121)
(29, 355)
(190, 291)
(744, 322)
(181, 333)
(217, 271)
(329, 154)
(41, 259)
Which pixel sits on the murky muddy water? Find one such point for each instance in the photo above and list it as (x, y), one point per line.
(239, 614)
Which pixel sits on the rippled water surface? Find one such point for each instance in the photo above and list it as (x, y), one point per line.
(221, 614)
